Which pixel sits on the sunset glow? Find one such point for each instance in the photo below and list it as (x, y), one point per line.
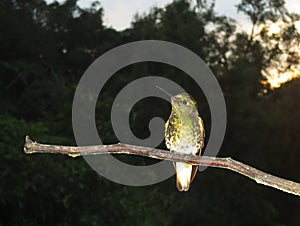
(274, 28)
(278, 79)
(280, 70)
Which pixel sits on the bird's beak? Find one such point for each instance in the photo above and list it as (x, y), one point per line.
(164, 91)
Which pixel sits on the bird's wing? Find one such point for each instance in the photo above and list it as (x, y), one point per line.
(167, 139)
(202, 135)
(194, 172)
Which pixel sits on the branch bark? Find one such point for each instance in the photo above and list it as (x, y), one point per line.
(260, 177)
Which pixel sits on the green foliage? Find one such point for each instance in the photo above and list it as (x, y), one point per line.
(45, 50)
(261, 11)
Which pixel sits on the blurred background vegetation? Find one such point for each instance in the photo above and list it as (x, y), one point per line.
(47, 47)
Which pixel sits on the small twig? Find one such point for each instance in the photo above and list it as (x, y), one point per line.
(226, 163)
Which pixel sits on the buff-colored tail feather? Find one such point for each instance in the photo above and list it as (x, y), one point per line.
(183, 178)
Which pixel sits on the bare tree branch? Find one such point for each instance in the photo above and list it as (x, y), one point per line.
(260, 177)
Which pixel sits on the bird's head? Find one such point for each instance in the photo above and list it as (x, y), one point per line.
(183, 102)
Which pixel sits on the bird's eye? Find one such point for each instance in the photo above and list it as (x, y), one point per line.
(185, 102)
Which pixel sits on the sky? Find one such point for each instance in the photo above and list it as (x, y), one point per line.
(119, 13)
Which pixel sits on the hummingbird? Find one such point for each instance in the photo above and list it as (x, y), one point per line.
(184, 133)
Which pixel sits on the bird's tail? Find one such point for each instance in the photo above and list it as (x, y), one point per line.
(183, 178)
